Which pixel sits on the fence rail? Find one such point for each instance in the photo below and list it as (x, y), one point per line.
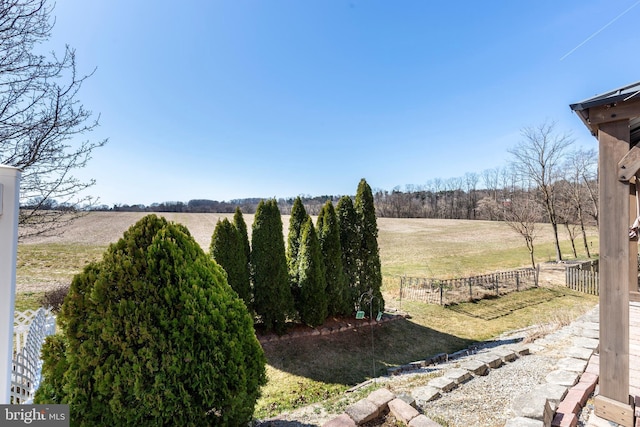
(451, 291)
(30, 328)
(582, 280)
(584, 276)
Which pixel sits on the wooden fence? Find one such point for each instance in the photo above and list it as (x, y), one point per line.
(583, 277)
(451, 291)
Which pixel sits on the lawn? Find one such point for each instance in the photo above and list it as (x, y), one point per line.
(313, 369)
(306, 370)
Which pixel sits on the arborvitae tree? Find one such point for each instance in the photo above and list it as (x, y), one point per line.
(55, 365)
(273, 301)
(228, 250)
(241, 226)
(339, 301)
(298, 218)
(313, 297)
(370, 275)
(350, 243)
(155, 336)
(238, 222)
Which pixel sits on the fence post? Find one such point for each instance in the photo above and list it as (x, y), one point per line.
(470, 290)
(441, 293)
(401, 283)
(517, 281)
(9, 202)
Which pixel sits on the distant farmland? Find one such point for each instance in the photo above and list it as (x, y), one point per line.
(412, 247)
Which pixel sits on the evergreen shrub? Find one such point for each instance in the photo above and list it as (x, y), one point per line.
(154, 335)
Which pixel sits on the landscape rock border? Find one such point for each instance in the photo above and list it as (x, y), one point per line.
(382, 401)
(327, 330)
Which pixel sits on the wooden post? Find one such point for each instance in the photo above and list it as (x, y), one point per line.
(633, 243)
(613, 401)
(9, 202)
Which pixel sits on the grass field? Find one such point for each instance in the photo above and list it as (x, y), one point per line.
(412, 247)
(309, 370)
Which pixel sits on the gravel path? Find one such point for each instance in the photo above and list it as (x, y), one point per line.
(483, 401)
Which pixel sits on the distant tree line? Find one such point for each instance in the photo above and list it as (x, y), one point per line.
(313, 204)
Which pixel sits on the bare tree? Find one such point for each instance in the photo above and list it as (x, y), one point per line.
(437, 188)
(490, 209)
(491, 178)
(508, 181)
(567, 212)
(538, 157)
(41, 118)
(581, 169)
(453, 190)
(522, 213)
(470, 182)
(588, 161)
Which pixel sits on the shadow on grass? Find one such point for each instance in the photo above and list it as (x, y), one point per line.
(348, 357)
(494, 307)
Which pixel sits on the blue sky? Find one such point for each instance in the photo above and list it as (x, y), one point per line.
(273, 98)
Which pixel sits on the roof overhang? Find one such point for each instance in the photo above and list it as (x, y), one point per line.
(619, 104)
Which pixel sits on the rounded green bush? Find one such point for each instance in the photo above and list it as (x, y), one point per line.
(155, 336)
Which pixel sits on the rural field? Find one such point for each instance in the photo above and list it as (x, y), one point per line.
(302, 371)
(412, 247)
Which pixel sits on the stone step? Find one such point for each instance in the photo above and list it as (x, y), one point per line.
(534, 406)
(363, 411)
(579, 352)
(561, 377)
(491, 359)
(425, 394)
(459, 375)
(520, 349)
(554, 393)
(505, 354)
(381, 397)
(475, 366)
(402, 411)
(572, 364)
(443, 383)
(590, 343)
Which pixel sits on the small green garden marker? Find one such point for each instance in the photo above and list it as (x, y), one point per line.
(359, 315)
(379, 316)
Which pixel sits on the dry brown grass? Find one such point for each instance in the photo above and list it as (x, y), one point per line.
(103, 228)
(412, 247)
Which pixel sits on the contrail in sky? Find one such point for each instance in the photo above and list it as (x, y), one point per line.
(600, 30)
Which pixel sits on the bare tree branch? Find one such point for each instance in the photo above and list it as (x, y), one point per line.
(522, 214)
(537, 158)
(41, 118)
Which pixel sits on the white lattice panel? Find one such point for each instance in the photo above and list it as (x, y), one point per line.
(30, 330)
